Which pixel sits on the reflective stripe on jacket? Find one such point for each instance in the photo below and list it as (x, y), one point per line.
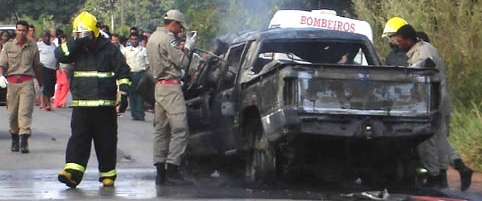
(97, 70)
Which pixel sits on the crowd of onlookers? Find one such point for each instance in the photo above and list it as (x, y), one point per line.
(133, 49)
(53, 92)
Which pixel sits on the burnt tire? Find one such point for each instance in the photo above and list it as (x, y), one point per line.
(261, 158)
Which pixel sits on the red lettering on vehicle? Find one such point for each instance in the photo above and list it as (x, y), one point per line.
(309, 21)
(317, 22)
(303, 20)
(339, 26)
(346, 27)
(330, 24)
(324, 23)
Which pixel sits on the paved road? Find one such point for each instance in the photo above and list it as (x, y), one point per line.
(34, 176)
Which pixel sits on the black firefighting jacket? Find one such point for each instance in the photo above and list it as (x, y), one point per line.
(98, 70)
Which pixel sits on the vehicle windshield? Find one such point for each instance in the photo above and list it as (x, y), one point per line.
(311, 52)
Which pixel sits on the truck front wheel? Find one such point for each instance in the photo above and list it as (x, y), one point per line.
(261, 157)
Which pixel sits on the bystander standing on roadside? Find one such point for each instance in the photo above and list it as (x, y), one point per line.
(122, 101)
(144, 40)
(114, 38)
(170, 122)
(4, 38)
(136, 57)
(31, 34)
(20, 62)
(63, 81)
(123, 40)
(47, 58)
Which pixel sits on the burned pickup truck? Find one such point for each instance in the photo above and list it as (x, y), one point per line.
(291, 103)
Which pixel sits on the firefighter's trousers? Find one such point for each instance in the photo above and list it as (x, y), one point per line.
(100, 125)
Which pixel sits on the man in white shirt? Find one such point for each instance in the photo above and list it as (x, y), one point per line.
(47, 58)
(136, 57)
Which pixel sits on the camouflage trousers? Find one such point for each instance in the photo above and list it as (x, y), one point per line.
(170, 124)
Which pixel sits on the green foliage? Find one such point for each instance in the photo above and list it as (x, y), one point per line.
(60, 10)
(453, 27)
(123, 30)
(466, 129)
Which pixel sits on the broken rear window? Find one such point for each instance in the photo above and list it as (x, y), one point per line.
(311, 52)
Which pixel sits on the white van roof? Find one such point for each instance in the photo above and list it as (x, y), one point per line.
(319, 19)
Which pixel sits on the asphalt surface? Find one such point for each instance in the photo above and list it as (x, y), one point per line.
(33, 176)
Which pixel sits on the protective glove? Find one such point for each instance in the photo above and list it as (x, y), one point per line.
(190, 41)
(69, 47)
(3, 82)
(124, 89)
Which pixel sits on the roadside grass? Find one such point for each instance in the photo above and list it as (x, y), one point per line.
(466, 133)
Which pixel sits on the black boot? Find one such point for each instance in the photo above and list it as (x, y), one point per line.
(443, 179)
(433, 182)
(69, 177)
(15, 145)
(173, 174)
(465, 174)
(24, 144)
(161, 173)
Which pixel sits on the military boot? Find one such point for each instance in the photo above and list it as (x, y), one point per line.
(173, 174)
(465, 174)
(161, 173)
(15, 144)
(433, 182)
(443, 179)
(24, 144)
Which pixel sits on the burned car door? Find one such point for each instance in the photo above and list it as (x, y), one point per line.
(200, 84)
(224, 102)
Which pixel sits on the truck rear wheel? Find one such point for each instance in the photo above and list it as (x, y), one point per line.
(261, 157)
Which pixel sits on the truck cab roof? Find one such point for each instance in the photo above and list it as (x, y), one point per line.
(301, 33)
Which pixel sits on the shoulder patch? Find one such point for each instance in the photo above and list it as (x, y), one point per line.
(173, 42)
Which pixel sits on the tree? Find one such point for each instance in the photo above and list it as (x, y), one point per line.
(454, 28)
(61, 10)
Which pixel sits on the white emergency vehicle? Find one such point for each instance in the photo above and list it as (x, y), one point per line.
(323, 19)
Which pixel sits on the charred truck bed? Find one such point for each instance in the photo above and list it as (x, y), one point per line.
(293, 102)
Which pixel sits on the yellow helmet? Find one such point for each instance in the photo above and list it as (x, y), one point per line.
(392, 26)
(85, 22)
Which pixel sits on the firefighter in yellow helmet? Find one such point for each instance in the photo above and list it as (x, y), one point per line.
(98, 65)
(396, 57)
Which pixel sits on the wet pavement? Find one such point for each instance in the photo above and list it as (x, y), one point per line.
(138, 183)
(34, 176)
